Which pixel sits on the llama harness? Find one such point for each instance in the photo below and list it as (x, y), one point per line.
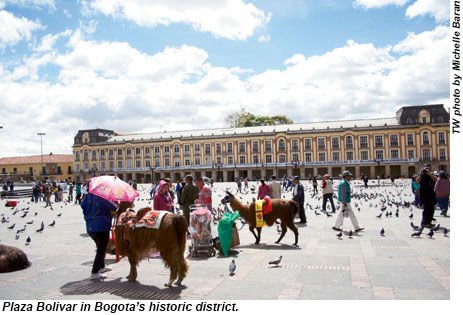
(152, 219)
(262, 207)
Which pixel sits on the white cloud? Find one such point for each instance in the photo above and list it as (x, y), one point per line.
(439, 9)
(15, 29)
(369, 4)
(232, 19)
(264, 38)
(113, 85)
(36, 4)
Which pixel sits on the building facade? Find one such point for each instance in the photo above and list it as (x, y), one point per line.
(396, 146)
(25, 168)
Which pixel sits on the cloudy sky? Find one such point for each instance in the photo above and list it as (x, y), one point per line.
(151, 65)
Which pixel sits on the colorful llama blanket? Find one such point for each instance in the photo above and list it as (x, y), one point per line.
(152, 219)
(262, 207)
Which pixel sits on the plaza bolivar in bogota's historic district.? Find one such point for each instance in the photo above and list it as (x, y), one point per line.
(280, 180)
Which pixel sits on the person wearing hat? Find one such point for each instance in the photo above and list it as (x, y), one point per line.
(188, 196)
(327, 191)
(442, 190)
(298, 196)
(427, 196)
(344, 192)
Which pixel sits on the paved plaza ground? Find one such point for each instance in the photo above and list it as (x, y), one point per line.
(368, 266)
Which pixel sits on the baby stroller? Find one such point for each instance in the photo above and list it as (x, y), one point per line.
(200, 230)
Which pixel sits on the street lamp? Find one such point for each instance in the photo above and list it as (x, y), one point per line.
(295, 163)
(378, 162)
(152, 173)
(218, 165)
(41, 151)
(93, 170)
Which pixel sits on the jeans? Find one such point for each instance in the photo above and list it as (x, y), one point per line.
(330, 198)
(443, 203)
(101, 240)
(36, 198)
(302, 213)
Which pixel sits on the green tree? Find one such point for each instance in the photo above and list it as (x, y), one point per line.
(243, 118)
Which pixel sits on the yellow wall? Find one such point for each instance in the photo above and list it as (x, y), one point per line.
(25, 169)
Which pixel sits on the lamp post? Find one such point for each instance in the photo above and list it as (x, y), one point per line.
(152, 173)
(378, 162)
(218, 165)
(93, 170)
(295, 163)
(41, 134)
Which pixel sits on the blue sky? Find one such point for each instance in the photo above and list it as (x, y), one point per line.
(126, 65)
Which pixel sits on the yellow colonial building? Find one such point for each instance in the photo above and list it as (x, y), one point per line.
(395, 146)
(53, 166)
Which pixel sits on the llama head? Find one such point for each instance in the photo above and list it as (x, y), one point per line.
(228, 197)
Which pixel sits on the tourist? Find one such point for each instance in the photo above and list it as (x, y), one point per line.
(177, 190)
(246, 183)
(275, 188)
(416, 192)
(327, 191)
(238, 182)
(36, 192)
(78, 193)
(97, 217)
(153, 189)
(47, 191)
(298, 196)
(71, 192)
(11, 189)
(365, 180)
(134, 185)
(428, 199)
(344, 197)
(314, 185)
(188, 196)
(442, 190)
(264, 190)
(163, 200)
(204, 194)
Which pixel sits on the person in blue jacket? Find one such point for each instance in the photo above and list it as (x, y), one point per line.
(98, 221)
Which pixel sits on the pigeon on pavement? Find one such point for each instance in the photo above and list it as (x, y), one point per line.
(232, 267)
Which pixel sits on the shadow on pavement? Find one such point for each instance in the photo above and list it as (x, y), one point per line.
(124, 289)
(270, 246)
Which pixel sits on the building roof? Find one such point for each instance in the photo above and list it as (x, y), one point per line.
(324, 125)
(35, 159)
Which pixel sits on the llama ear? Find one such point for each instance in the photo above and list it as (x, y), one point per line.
(229, 193)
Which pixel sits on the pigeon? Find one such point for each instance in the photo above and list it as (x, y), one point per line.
(382, 232)
(445, 231)
(328, 215)
(52, 224)
(339, 235)
(380, 215)
(317, 212)
(35, 214)
(11, 227)
(351, 234)
(436, 228)
(232, 267)
(28, 240)
(275, 262)
(24, 215)
(278, 228)
(22, 230)
(415, 227)
(42, 227)
(430, 234)
(17, 236)
(397, 214)
(59, 214)
(30, 222)
(411, 216)
(417, 233)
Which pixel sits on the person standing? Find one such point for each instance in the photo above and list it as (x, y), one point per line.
(427, 196)
(163, 200)
(11, 189)
(71, 192)
(327, 191)
(36, 192)
(275, 188)
(365, 180)
(344, 193)
(314, 185)
(246, 183)
(177, 190)
(264, 190)
(442, 190)
(188, 196)
(205, 193)
(416, 192)
(47, 190)
(97, 217)
(298, 196)
(238, 182)
(153, 189)
(78, 193)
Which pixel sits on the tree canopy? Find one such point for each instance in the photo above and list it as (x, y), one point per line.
(243, 118)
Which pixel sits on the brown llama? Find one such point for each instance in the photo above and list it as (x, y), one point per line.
(169, 240)
(12, 259)
(285, 210)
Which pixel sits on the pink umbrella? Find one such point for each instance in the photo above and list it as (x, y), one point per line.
(112, 188)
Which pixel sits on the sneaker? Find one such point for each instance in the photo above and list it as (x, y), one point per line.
(105, 269)
(337, 229)
(97, 276)
(359, 229)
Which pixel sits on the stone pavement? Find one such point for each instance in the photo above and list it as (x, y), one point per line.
(367, 266)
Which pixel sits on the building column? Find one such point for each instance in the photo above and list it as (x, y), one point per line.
(290, 171)
(357, 171)
(235, 173)
(214, 175)
(372, 171)
(387, 169)
(203, 173)
(250, 174)
(330, 170)
(403, 171)
(315, 171)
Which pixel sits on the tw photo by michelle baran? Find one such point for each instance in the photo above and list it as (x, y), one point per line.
(456, 68)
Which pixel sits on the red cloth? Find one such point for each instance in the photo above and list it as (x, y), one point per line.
(267, 207)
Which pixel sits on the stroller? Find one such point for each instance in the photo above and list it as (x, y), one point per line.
(200, 230)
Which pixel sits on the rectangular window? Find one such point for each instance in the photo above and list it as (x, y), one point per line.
(207, 148)
(379, 154)
(177, 162)
(378, 141)
(242, 159)
(219, 160)
(128, 164)
(157, 163)
(242, 147)
(111, 153)
(102, 166)
(111, 165)
(197, 148)
(137, 163)
(230, 160)
(268, 158)
(176, 149)
(295, 157)
(282, 158)
(321, 143)
(442, 155)
(411, 154)
(128, 152)
(308, 157)
(335, 156)
(86, 155)
(349, 155)
(426, 154)
(295, 145)
(410, 139)
(186, 149)
(281, 145)
(363, 155)
(229, 147)
(425, 138)
(255, 146)
(308, 144)
(268, 145)
(187, 162)
(197, 161)
(119, 153)
(255, 159)
(394, 140)
(441, 137)
(166, 162)
(119, 164)
(147, 163)
(77, 168)
(166, 150)
(102, 153)
(77, 156)
(364, 141)
(147, 151)
(137, 152)
(335, 144)
(156, 151)
(349, 142)
(394, 154)
(321, 156)
(218, 148)
(93, 154)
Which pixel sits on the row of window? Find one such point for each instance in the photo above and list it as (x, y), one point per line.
(335, 156)
(321, 145)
